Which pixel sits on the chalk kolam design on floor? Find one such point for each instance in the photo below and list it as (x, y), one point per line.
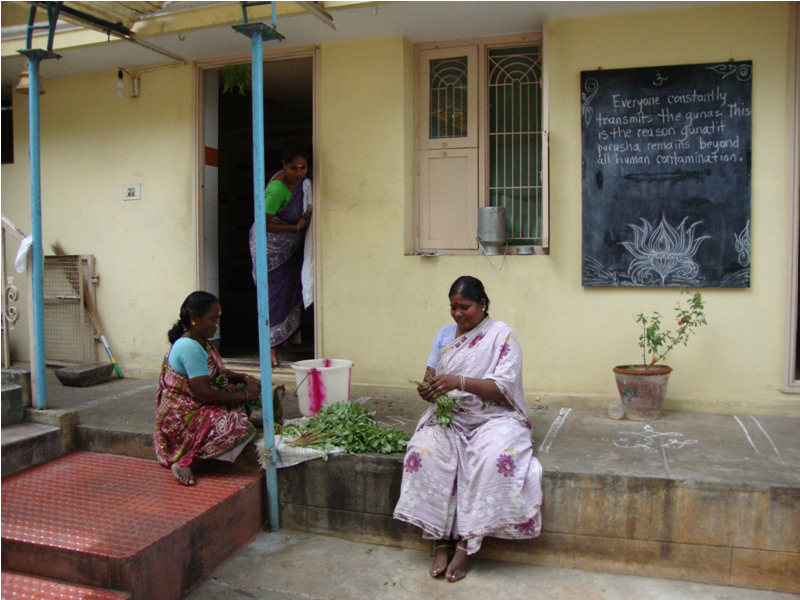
(650, 440)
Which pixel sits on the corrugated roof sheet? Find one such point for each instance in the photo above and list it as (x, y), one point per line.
(124, 13)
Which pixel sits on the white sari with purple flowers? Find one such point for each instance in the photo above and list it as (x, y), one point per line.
(478, 477)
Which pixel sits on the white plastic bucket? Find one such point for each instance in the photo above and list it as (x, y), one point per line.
(321, 381)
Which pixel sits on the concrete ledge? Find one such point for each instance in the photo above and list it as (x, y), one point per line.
(747, 536)
(140, 445)
(119, 443)
(28, 444)
(65, 419)
(12, 404)
(20, 377)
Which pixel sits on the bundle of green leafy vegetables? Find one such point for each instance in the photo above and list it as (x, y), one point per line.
(444, 405)
(347, 426)
(253, 404)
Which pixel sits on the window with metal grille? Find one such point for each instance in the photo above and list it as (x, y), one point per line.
(515, 140)
(448, 108)
(482, 141)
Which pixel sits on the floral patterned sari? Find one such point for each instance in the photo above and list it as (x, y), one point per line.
(284, 268)
(478, 476)
(186, 429)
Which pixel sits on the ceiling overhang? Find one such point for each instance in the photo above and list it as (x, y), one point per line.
(202, 30)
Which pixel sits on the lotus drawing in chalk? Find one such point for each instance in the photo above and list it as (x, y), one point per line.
(665, 253)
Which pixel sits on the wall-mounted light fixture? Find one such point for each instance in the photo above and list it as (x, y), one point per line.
(121, 83)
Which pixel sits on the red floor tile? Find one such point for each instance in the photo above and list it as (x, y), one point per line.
(25, 587)
(107, 505)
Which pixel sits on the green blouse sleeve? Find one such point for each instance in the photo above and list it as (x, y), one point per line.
(276, 197)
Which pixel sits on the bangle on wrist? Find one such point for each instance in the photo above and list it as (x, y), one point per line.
(463, 383)
(246, 396)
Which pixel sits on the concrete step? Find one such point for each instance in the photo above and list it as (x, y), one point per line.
(20, 377)
(25, 445)
(105, 440)
(17, 586)
(695, 498)
(12, 404)
(125, 524)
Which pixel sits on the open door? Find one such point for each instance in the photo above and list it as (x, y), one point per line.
(228, 194)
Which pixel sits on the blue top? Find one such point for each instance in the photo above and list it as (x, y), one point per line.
(188, 358)
(445, 337)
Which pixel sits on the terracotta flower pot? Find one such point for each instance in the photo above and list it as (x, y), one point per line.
(642, 390)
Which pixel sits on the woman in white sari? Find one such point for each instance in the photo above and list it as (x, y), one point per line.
(478, 476)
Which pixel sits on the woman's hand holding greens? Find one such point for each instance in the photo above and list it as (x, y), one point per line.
(426, 393)
(252, 387)
(441, 384)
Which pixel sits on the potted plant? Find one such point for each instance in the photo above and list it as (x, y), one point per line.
(642, 387)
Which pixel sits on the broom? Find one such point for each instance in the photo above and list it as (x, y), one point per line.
(88, 304)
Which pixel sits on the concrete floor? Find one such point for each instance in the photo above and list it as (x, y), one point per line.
(292, 565)
(691, 447)
(734, 450)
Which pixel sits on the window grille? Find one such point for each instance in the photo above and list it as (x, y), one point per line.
(448, 106)
(68, 332)
(516, 140)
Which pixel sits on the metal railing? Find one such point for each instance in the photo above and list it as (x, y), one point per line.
(11, 295)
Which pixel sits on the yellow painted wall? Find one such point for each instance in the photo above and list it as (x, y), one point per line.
(381, 308)
(92, 145)
(378, 306)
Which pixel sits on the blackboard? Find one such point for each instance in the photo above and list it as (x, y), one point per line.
(666, 175)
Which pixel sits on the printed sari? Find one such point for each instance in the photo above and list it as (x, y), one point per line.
(284, 268)
(478, 477)
(186, 429)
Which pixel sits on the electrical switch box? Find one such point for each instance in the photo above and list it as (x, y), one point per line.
(132, 191)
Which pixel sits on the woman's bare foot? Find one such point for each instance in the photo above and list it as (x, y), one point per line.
(441, 554)
(457, 569)
(183, 474)
(273, 355)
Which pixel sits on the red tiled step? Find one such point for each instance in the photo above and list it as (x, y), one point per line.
(125, 523)
(27, 587)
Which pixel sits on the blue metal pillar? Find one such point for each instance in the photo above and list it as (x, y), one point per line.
(37, 256)
(35, 56)
(257, 32)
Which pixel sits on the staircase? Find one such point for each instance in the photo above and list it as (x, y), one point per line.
(89, 525)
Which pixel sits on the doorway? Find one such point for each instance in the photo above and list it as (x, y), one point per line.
(228, 192)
